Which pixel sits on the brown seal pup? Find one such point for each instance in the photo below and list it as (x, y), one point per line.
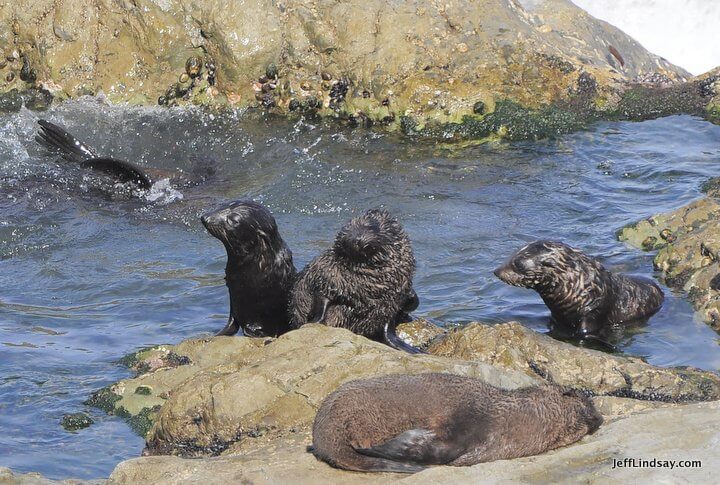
(259, 271)
(362, 283)
(399, 423)
(580, 293)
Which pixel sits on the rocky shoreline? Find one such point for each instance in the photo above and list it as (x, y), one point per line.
(243, 407)
(451, 71)
(687, 242)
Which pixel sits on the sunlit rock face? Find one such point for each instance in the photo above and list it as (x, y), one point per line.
(384, 60)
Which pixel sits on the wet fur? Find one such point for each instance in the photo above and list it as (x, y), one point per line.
(402, 423)
(363, 282)
(56, 139)
(259, 273)
(580, 293)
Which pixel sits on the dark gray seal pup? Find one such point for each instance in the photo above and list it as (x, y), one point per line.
(580, 293)
(259, 271)
(362, 283)
(58, 140)
(400, 423)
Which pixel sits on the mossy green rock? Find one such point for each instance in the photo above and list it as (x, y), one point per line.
(238, 390)
(76, 421)
(546, 63)
(688, 245)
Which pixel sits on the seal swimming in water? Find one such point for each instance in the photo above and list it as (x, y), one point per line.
(580, 293)
(400, 423)
(57, 139)
(259, 271)
(362, 283)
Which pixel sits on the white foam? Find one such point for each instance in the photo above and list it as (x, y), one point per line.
(163, 193)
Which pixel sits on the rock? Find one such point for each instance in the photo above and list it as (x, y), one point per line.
(76, 421)
(514, 347)
(232, 391)
(689, 432)
(419, 333)
(550, 64)
(688, 245)
(7, 476)
(237, 389)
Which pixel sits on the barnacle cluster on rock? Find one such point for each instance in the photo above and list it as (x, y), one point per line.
(199, 77)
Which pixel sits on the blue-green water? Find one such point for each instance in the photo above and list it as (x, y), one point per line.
(85, 279)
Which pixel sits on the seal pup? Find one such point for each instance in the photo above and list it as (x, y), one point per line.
(259, 273)
(580, 293)
(57, 139)
(401, 423)
(362, 283)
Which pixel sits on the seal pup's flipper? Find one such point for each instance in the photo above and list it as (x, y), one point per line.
(231, 328)
(53, 137)
(417, 446)
(56, 139)
(121, 170)
(391, 338)
(319, 310)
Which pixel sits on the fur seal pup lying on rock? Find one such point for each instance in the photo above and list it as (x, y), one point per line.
(400, 423)
(580, 293)
(57, 139)
(362, 283)
(259, 271)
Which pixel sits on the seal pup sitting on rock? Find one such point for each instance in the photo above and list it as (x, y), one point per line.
(400, 423)
(580, 293)
(362, 283)
(259, 273)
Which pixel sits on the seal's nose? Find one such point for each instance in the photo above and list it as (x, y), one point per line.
(498, 272)
(204, 220)
(583, 332)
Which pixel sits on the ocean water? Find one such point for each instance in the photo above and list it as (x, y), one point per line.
(88, 274)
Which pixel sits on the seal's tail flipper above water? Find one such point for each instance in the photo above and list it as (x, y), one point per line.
(121, 170)
(55, 138)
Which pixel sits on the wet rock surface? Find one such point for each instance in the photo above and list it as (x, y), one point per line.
(687, 242)
(456, 69)
(76, 421)
(514, 347)
(246, 405)
(233, 391)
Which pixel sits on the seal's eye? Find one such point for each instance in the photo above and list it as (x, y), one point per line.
(234, 219)
(520, 265)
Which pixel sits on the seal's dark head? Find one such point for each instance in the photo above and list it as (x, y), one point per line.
(576, 401)
(247, 229)
(537, 264)
(368, 237)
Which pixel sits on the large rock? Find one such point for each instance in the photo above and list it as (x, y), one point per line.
(220, 395)
(234, 389)
(688, 245)
(514, 347)
(517, 69)
(689, 432)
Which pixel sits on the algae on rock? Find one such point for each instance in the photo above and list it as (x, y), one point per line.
(537, 68)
